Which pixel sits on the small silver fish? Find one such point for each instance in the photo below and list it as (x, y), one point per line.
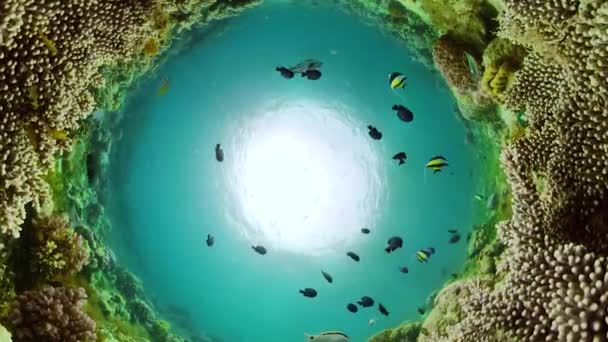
(471, 64)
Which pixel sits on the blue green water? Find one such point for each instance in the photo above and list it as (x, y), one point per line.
(301, 176)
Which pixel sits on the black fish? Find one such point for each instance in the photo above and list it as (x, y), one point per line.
(403, 113)
(365, 231)
(312, 74)
(404, 269)
(374, 133)
(308, 292)
(454, 238)
(421, 311)
(453, 231)
(366, 301)
(383, 309)
(285, 72)
(260, 249)
(327, 277)
(394, 243)
(353, 256)
(210, 240)
(455, 275)
(401, 157)
(352, 307)
(219, 153)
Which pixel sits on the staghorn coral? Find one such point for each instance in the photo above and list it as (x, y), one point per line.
(57, 250)
(51, 314)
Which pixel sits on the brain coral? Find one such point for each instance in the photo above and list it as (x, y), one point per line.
(556, 269)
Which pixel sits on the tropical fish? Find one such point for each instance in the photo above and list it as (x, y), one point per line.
(422, 256)
(365, 231)
(352, 307)
(429, 250)
(453, 231)
(403, 113)
(492, 202)
(382, 309)
(219, 153)
(309, 64)
(401, 157)
(259, 249)
(421, 310)
(471, 64)
(374, 133)
(58, 134)
(210, 240)
(396, 80)
(329, 336)
(437, 163)
(286, 73)
(394, 243)
(366, 301)
(48, 43)
(479, 197)
(454, 238)
(164, 87)
(404, 269)
(309, 292)
(371, 321)
(353, 256)
(312, 74)
(327, 277)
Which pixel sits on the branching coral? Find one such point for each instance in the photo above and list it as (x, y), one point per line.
(57, 250)
(555, 264)
(51, 314)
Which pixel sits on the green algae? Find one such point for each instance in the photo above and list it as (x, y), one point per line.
(406, 332)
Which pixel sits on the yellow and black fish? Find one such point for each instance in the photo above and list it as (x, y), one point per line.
(422, 256)
(396, 80)
(437, 163)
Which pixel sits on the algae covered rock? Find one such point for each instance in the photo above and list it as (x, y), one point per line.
(406, 332)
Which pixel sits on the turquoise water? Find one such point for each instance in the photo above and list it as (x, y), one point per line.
(301, 176)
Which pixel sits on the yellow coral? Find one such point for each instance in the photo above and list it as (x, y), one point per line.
(496, 80)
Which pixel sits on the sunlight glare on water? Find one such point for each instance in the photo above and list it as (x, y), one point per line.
(304, 176)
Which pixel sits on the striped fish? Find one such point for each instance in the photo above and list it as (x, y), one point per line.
(328, 336)
(396, 80)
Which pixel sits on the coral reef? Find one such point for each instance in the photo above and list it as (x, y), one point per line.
(5, 336)
(449, 57)
(51, 314)
(56, 250)
(406, 332)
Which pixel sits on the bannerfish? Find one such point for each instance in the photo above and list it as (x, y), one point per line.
(374, 133)
(422, 256)
(352, 307)
(371, 322)
(286, 73)
(309, 292)
(259, 249)
(219, 153)
(210, 240)
(404, 269)
(403, 113)
(366, 301)
(421, 310)
(164, 87)
(329, 336)
(382, 309)
(401, 157)
(327, 277)
(453, 231)
(393, 244)
(365, 231)
(312, 74)
(396, 80)
(306, 65)
(454, 238)
(437, 163)
(353, 256)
